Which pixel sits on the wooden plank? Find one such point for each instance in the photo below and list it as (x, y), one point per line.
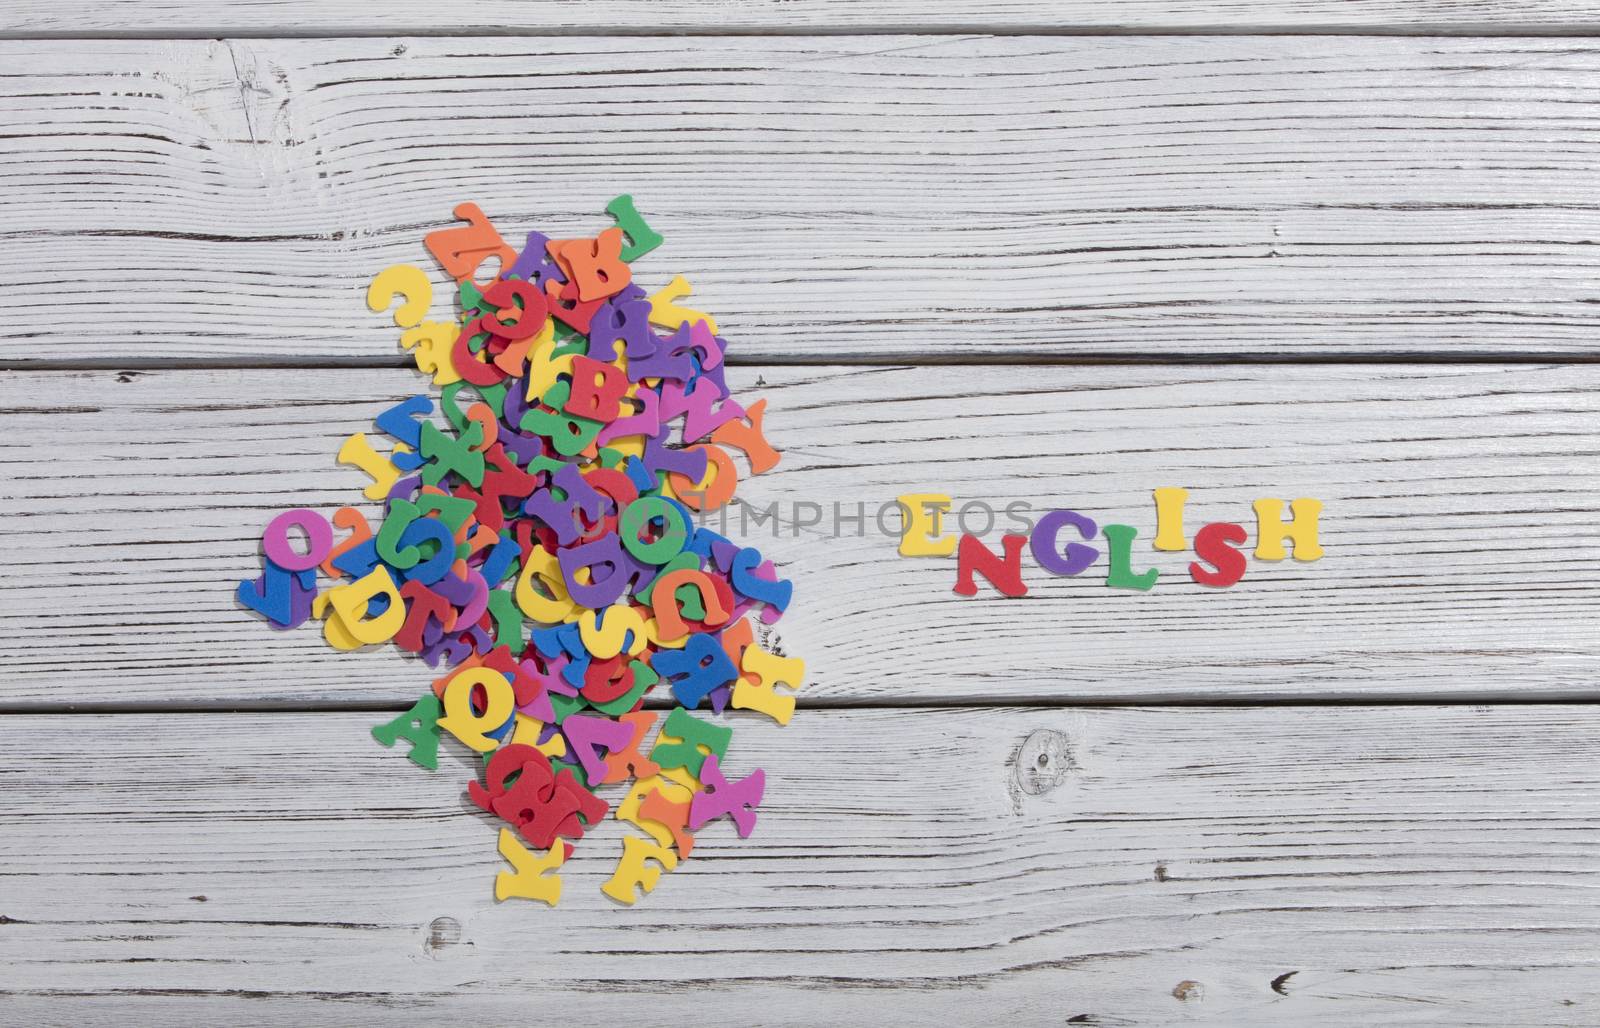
(1292, 866)
(303, 17)
(1458, 500)
(832, 197)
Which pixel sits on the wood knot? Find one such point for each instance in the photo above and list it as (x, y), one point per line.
(1186, 990)
(1043, 761)
(442, 933)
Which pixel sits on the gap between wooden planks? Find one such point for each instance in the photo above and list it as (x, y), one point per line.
(1458, 502)
(1248, 866)
(832, 197)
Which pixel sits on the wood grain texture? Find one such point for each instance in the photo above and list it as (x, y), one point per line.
(1458, 531)
(309, 17)
(861, 198)
(1292, 866)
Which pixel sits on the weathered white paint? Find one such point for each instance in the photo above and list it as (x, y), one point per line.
(852, 198)
(1380, 865)
(882, 197)
(1458, 531)
(307, 17)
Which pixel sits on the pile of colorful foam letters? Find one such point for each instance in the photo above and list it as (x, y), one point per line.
(544, 555)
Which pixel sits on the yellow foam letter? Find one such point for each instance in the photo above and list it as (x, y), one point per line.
(770, 671)
(526, 730)
(333, 630)
(430, 343)
(631, 869)
(528, 879)
(413, 287)
(917, 534)
(554, 609)
(1302, 529)
(461, 721)
(1169, 519)
(358, 452)
(664, 309)
(604, 640)
(350, 605)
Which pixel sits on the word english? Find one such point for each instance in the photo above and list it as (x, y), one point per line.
(1221, 563)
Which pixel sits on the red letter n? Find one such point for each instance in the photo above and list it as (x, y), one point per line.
(1005, 575)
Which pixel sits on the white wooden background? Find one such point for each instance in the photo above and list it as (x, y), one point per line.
(1062, 252)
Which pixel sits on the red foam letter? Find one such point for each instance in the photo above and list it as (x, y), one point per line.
(1004, 574)
(1211, 544)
